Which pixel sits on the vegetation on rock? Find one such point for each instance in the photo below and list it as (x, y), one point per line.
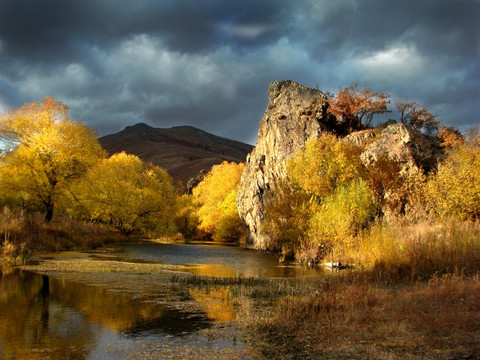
(355, 108)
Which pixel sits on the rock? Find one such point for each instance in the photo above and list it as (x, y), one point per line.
(411, 148)
(295, 114)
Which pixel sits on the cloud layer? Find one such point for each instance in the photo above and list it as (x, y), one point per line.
(209, 63)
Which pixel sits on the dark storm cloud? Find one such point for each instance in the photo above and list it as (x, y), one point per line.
(209, 63)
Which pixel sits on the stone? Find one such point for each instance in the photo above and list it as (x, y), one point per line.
(194, 181)
(414, 150)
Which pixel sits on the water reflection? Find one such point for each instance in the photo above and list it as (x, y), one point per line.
(42, 317)
(216, 302)
(217, 260)
(34, 326)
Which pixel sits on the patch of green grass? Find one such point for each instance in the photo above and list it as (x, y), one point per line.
(212, 280)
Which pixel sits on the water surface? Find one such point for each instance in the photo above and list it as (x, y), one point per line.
(43, 317)
(47, 318)
(217, 260)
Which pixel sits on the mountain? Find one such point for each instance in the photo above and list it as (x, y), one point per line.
(182, 150)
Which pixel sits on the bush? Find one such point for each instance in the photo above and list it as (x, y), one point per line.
(23, 234)
(455, 189)
(333, 227)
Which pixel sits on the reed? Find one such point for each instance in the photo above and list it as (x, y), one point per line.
(197, 280)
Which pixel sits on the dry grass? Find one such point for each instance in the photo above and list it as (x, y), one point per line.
(22, 234)
(405, 251)
(348, 316)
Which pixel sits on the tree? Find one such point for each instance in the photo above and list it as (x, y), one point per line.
(323, 204)
(44, 151)
(416, 116)
(129, 194)
(286, 219)
(340, 217)
(450, 136)
(215, 198)
(326, 163)
(454, 191)
(355, 108)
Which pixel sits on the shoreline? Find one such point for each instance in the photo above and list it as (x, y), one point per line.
(344, 315)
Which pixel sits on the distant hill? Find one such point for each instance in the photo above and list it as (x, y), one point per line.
(182, 150)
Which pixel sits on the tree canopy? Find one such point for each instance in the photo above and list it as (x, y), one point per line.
(355, 108)
(43, 152)
(129, 194)
(215, 197)
(416, 116)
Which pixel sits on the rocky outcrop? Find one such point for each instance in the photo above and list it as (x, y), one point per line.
(295, 113)
(413, 150)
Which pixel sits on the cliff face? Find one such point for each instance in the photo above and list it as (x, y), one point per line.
(295, 113)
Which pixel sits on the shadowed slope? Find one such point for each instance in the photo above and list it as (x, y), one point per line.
(182, 150)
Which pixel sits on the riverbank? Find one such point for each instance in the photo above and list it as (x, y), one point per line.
(346, 315)
(25, 235)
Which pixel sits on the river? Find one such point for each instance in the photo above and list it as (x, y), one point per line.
(44, 317)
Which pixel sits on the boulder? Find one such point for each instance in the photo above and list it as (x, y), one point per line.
(414, 150)
(194, 181)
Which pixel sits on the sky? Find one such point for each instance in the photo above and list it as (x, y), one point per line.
(208, 63)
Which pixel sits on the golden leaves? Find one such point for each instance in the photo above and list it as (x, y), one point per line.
(215, 197)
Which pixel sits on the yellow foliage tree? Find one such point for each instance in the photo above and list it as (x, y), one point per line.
(43, 152)
(326, 163)
(215, 198)
(455, 189)
(334, 225)
(286, 220)
(129, 194)
(325, 205)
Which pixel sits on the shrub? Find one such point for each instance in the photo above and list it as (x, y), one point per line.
(333, 227)
(455, 189)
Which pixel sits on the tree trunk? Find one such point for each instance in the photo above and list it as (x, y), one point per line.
(49, 206)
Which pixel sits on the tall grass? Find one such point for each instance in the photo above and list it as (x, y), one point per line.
(22, 234)
(349, 316)
(418, 251)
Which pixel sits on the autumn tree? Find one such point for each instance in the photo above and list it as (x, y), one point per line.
(341, 215)
(454, 191)
(326, 163)
(215, 198)
(416, 116)
(43, 152)
(131, 195)
(323, 204)
(286, 220)
(355, 108)
(450, 136)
